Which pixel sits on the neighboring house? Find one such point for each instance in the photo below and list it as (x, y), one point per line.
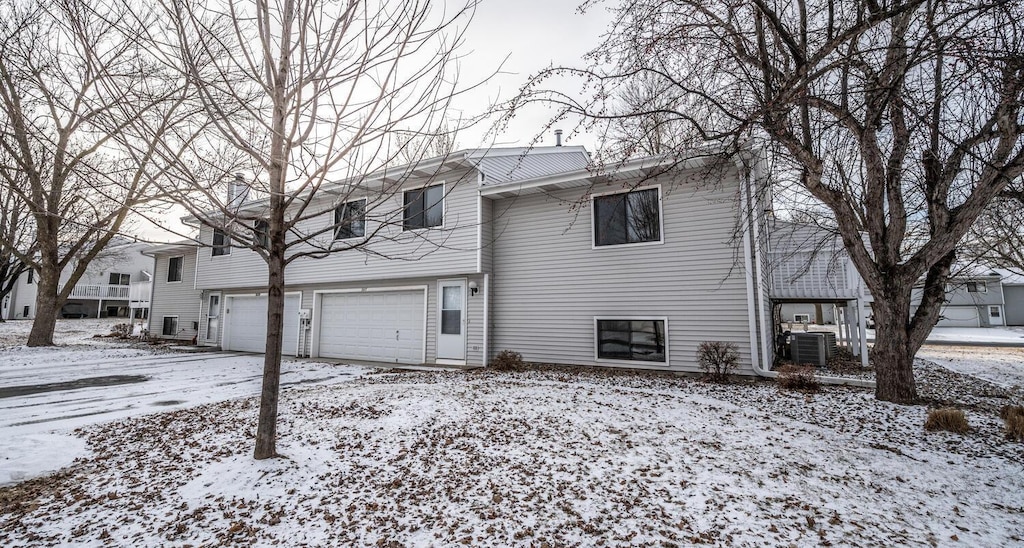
(972, 300)
(116, 284)
(504, 249)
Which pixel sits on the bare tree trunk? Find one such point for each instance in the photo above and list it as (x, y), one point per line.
(893, 358)
(47, 305)
(266, 430)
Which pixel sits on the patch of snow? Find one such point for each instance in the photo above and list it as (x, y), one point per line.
(1001, 366)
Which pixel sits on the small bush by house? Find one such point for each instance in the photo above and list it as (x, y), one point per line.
(947, 419)
(798, 377)
(1013, 421)
(507, 360)
(718, 360)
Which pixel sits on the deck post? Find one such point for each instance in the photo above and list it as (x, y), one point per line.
(863, 328)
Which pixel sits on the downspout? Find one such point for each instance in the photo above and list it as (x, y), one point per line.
(755, 357)
(487, 318)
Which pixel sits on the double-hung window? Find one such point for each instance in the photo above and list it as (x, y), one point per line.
(261, 233)
(977, 287)
(424, 208)
(631, 339)
(174, 265)
(350, 220)
(221, 243)
(627, 217)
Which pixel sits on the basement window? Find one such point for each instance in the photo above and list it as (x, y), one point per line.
(632, 339)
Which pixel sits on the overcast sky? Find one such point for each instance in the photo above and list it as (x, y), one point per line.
(528, 35)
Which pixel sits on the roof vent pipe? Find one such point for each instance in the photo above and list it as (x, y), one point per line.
(558, 137)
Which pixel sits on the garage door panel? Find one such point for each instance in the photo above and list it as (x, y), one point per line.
(247, 324)
(959, 316)
(363, 326)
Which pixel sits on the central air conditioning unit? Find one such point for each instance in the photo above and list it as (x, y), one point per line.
(812, 348)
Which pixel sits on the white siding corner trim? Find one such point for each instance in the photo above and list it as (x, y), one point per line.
(629, 363)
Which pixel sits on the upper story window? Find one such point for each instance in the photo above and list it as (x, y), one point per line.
(174, 265)
(350, 220)
(221, 243)
(628, 217)
(31, 276)
(261, 233)
(119, 279)
(977, 287)
(424, 207)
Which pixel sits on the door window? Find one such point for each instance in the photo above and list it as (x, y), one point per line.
(451, 310)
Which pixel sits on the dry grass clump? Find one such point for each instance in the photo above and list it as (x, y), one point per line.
(717, 360)
(507, 360)
(1013, 421)
(798, 377)
(948, 419)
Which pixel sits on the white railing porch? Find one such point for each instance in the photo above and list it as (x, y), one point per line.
(100, 291)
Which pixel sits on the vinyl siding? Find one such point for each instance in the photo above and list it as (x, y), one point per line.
(1014, 306)
(550, 284)
(175, 299)
(393, 254)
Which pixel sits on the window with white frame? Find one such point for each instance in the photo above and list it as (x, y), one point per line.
(634, 340)
(174, 267)
(350, 220)
(170, 327)
(802, 318)
(116, 278)
(627, 217)
(424, 208)
(221, 243)
(977, 287)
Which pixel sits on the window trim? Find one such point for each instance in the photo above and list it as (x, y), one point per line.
(444, 206)
(979, 287)
(119, 275)
(618, 361)
(334, 218)
(163, 326)
(226, 247)
(181, 270)
(661, 218)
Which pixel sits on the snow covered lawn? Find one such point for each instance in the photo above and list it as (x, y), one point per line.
(546, 458)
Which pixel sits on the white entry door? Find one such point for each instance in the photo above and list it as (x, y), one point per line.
(212, 318)
(995, 315)
(451, 320)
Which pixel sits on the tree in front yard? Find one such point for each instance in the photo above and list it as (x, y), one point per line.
(903, 119)
(74, 87)
(304, 95)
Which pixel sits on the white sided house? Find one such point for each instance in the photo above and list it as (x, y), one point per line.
(486, 250)
(116, 284)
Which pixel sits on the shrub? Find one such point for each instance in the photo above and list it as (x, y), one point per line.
(507, 360)
(717, 360)
(798, 377)
(1013, 421)
(948, 419)
(122, 330)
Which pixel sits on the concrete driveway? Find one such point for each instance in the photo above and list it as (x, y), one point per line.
(45, 393)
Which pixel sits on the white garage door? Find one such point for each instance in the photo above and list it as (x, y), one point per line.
(380, 326)
(959, 316)
(246, 324)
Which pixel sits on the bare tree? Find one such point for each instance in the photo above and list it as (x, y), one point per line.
(16, 230)
(306, 94)
(74, 83)
(902, 118)
(997, 239)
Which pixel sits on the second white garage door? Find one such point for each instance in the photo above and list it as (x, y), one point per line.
(380, 326)
(246, 324)
(959, 316)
